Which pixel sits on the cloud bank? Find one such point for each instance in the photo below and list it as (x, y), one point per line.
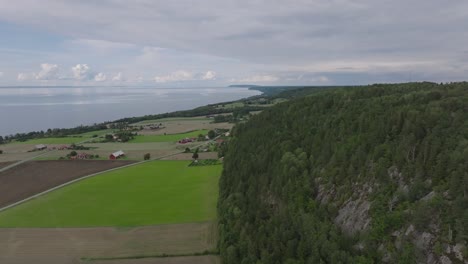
(344, 41)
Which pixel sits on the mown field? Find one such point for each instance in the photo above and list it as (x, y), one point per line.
(158, 192)
(167, 138)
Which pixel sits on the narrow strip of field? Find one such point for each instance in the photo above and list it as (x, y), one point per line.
(69, 245)
(52, 140)
(158, 192)
(33, 177)
(168, 138)
(171, 119)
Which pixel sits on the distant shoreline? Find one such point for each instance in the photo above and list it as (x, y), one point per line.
(166, 103)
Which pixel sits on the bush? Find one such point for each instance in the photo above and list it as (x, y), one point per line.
(147, 156)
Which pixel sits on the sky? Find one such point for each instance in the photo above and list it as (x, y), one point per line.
(217, 42)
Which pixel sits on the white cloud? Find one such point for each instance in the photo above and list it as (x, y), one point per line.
(355, 39)
(100, 77)
(82, 72)
(48, 72)
(175, 77)
(209, 75)
(118, 77)
(22, 77)
(258, 79)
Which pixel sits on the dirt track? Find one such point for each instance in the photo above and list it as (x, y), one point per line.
(69, 245)
(33, 177)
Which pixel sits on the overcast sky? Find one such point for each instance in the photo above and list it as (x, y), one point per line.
(216, 42)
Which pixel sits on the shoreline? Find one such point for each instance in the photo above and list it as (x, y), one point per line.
(114, 120)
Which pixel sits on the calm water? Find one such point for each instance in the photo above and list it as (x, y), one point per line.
(40, 108)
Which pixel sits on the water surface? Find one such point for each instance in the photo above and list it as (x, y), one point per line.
(25, 109)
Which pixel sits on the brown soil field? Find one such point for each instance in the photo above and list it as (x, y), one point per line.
(69, 245)
(33, 177)
(6, 163)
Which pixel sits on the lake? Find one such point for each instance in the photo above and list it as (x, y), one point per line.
(25, 109)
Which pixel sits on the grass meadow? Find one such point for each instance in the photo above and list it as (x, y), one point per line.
(152, 193)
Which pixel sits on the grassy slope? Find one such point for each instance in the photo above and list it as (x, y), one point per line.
(167, 138)
(159, 192)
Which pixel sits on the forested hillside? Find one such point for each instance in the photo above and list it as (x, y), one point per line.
(353, 175)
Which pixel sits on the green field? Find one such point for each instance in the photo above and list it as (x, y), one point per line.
(67, 140)
(167, 138)
(157, 192)
(53, 140)
(171, 119)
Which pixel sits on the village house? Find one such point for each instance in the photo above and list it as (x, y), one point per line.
(40, 147)
(116, 155)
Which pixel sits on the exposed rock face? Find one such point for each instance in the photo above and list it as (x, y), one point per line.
(354, 217)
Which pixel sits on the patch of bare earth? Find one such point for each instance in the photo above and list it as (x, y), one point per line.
(70, 245)
(33, 177)
(6, 163)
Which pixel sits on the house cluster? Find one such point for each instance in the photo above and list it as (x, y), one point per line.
(187, 140)
(117, 155)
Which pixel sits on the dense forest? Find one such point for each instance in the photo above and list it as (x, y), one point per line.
(350, 175)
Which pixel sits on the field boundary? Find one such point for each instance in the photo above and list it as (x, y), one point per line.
(162, 255)
(87, 176)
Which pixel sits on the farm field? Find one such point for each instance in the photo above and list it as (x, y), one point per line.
(52, 140)
(65, 140)
(182, 125)
(70, 245)
(132, 151)
(188, 156)
(168, 137)
(157, 192)
(6, 163)
(33, 177)
(172, 119)
(16, 152)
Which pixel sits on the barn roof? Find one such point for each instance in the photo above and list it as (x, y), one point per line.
(118, 153)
